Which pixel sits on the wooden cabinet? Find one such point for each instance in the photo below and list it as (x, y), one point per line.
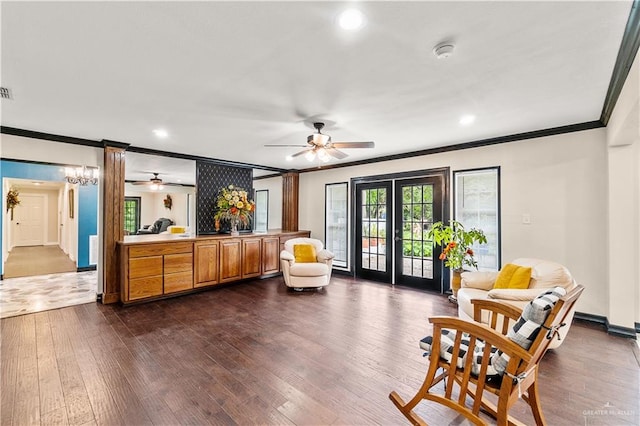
(251, 257)
(270, 255)
(151, 270)
(207, 263)
(178, 272)
(230, 260)
(157, 266)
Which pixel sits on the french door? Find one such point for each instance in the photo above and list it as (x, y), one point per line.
(393, 218)
(418, 205)
(373, 216)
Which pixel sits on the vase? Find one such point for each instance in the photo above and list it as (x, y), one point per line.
(234, 228)
(456, 278)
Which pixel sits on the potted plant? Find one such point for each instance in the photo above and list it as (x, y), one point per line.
(457, 252)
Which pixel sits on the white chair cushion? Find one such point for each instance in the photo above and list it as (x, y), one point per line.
(309, 269)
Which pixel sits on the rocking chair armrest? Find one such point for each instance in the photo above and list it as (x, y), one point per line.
(496, 307)
(479, 331)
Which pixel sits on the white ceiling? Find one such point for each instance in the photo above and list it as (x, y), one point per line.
(226, 78)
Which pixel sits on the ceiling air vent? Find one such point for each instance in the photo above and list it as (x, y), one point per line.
(5, 93)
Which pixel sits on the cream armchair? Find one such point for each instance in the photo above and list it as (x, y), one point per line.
(299, 275)
(544, 275)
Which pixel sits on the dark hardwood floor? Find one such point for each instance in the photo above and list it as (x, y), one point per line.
(256, 353)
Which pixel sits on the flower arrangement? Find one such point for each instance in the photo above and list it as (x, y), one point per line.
(168, 202)
(12, 199)
(457, 244)
(233, 205)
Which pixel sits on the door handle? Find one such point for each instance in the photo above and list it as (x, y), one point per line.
(397, 239)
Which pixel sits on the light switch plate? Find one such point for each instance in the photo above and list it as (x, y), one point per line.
(526, 218)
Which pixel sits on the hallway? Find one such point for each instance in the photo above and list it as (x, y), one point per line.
(37, 260)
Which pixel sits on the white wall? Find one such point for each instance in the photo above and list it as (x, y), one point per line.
(561, 181)
(274, 186)
(623, 137)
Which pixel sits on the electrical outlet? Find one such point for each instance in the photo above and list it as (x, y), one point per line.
(526, 218)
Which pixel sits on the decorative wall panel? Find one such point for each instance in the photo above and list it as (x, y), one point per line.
(210, 178)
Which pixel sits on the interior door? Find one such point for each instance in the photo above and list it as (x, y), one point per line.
(28, 220)
(373, 232)
(418, 204)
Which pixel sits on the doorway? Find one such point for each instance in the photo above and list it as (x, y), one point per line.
(392, 220)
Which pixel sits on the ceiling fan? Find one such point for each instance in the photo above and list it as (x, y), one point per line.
(155, 183)
(320, 145)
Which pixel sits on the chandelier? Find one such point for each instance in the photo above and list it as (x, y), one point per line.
(81, 175)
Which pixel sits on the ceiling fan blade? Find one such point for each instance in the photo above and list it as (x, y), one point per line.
(304, 151)
(336, 154)
(140, 183)
(353, 144)
(296, 146)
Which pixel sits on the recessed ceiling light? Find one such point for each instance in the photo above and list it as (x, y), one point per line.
(161, 133)
(351, 20)
(468, 119)
(37, 183)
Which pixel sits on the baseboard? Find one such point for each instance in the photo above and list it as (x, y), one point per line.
(342, 272)
(614, 330)
(99, 297)
(87, 268)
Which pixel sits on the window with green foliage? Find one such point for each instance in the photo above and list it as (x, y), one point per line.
(477, 205)
(131, 215)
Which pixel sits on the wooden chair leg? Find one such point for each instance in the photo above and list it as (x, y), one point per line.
(534, 403)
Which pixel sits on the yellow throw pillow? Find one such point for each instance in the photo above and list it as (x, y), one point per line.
(304, 253)
(513, 276)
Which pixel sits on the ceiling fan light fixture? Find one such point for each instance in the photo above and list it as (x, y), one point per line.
(318, 139)
(323, 155)
(310, 155)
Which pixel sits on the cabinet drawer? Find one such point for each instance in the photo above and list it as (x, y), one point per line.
(178, 282)
(145, 267)
(160, 249)
(178, 263)
(140, 288)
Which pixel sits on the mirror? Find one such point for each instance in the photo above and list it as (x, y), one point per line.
(147, 200)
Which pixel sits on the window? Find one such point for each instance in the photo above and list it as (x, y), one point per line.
(131, 215)
(262, 210)
(335, 227)
(477, 205)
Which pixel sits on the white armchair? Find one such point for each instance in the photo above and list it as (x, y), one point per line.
(299, 275)
(544, 275)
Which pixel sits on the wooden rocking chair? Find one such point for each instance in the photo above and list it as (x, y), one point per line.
(474, 382)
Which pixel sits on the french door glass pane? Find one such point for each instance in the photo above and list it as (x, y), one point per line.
(417, 217)
(476, 206)
(374, 230)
